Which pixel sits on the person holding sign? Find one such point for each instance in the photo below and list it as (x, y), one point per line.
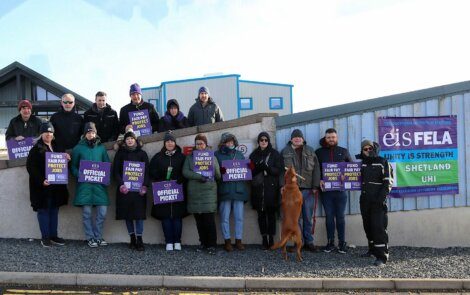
(334, 201)
(46, 198)
(173, 118)
(168, 165)
(204, 110)
(202, 191)
(232, 194)
(137, 104)
(265, 196)
(90, 194)
(130, 170)
(25, 124)
(376, 185)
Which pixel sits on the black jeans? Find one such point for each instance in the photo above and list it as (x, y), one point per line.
(205, 223)
(267, 221)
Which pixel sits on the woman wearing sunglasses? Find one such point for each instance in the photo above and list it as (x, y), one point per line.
(376, 185)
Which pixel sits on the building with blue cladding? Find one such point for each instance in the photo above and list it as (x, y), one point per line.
(237, 98)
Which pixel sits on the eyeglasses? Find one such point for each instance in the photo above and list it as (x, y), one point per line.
(367, 149)
(263, 139)
(67, 102)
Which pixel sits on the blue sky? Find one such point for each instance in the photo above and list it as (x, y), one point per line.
(333, 52)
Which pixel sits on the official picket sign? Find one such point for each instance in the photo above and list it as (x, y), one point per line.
(237, 170)
(204, 163)
(18, 149)
(140, 121)
(57, 168)
(133, 175)
(167, 192)
(94, 172)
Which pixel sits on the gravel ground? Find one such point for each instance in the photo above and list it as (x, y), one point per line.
(21, 255)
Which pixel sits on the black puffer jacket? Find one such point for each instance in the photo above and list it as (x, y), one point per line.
(376, 175)
(106, 122)
(125, 110)
(36, 166)
(169, 122)
(327, 154)
(158, 170)
(68, 128)
(18, 127)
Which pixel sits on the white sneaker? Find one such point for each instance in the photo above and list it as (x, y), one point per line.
(178, 246)
(169, 247)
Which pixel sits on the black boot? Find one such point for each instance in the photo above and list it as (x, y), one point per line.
(133, 241)
(139, 245)
(271, 241)
(265, 245)
(370, 251)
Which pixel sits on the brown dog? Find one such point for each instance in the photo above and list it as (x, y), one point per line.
(291, 206)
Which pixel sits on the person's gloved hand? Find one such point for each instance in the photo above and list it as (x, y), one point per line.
(123, 189)
(143, 190)
(204, 179)
(251, 165)
(223, 170)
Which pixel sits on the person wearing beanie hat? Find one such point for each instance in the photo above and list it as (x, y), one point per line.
(173, 118)
(377, 180)
(91, 195)
(302, 157)
(25, 124)
(204, 110)
(232, 194)
(137, 104)
(265, 197)
(68, 124)
(45, 197)
(202, 195)
(167, 165)
(131, 202)
(104, 117)
(334, 202)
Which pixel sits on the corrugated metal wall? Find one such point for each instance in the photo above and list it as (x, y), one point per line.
(352, 129)
(260, 94)
(153, 93)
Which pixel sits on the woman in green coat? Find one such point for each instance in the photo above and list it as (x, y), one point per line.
(202, 197)
(89, 195)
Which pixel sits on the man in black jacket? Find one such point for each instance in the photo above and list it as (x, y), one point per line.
(104, 117)
(137, 104)
(376, 185)
(68, 125)
(334, 202)
(25, 124)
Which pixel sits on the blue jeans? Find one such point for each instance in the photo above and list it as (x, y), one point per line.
(306, 220)
(334, 203)
(48, 219)
(138, 229)
(94, 229)
(225, 207)
(172, 229)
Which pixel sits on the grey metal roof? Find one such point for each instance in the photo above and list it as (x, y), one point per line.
(371, 104)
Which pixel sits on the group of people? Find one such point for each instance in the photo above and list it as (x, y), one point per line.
(204, 196)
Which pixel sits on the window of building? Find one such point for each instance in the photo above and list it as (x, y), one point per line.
(44, 95)
(276, 103)
(246, 103)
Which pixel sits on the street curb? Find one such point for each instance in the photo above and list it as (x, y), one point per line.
(232, 283)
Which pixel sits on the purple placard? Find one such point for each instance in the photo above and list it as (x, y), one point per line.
(352, 176)
(167, 192)
(94, 172)
(57, 168)
(133, 175)
(204, 163)
(140, 121)
(237, 170)
(18, 149)
(332, 176)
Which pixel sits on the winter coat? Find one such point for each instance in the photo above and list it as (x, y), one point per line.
(130, 206)
(376, 176)
(89, 193)
(231, 190)
(199, 115)
(125, 110)
(328, 154)
(36, 166)
(106, 122)
(202, 197)
(18, 127)
(168, 122)
(158, 171)
(309, 168)
(266, 195)
(68, 128)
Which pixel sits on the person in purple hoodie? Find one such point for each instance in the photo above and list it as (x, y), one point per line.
(173, 118)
